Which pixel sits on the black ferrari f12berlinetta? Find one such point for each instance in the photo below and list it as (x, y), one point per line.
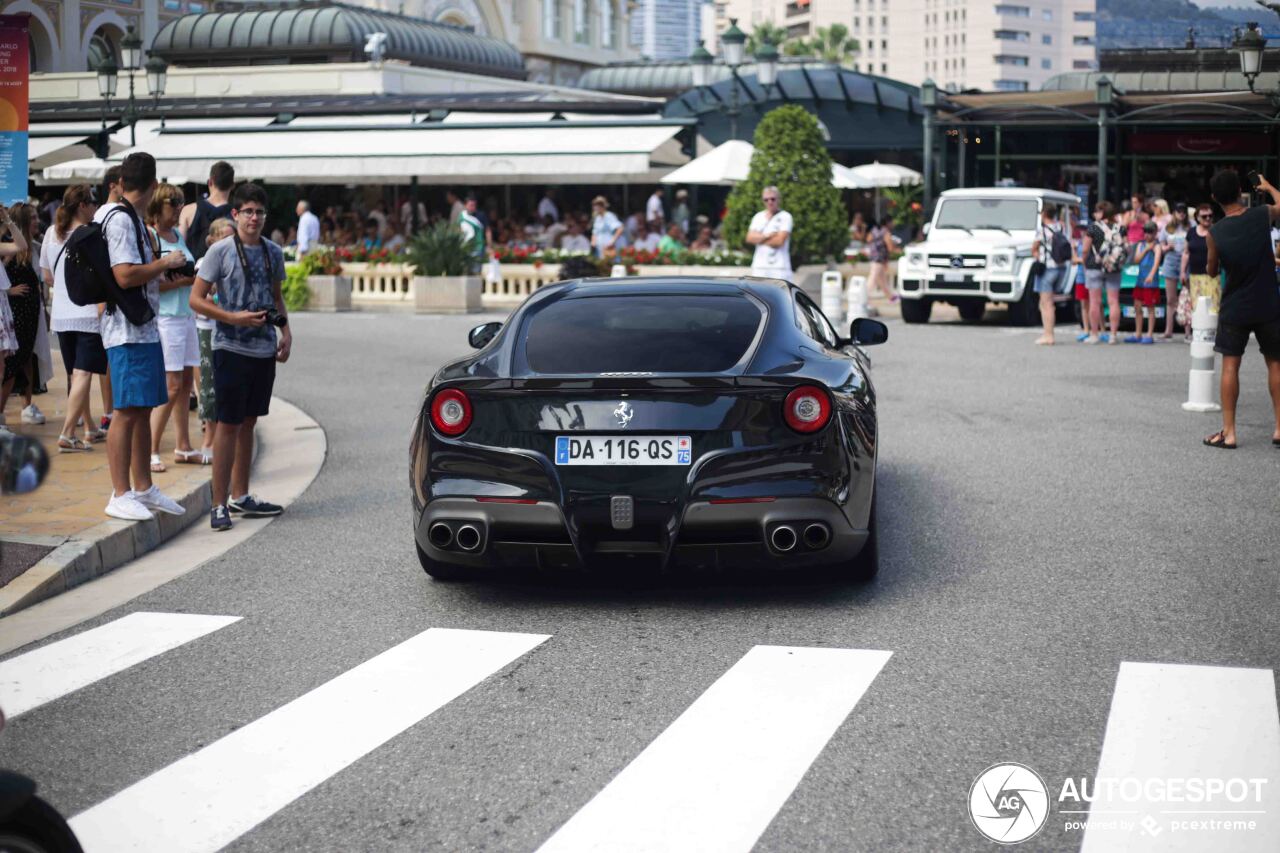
(679, 422)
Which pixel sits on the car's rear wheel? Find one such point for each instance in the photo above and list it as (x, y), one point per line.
(916, 310)
(971, 311)
(866, 564)
(441, 571)
(1026, 311)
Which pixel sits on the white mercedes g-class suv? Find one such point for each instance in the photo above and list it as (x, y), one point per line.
(977, 249)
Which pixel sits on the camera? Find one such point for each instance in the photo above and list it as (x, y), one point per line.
(275, 318)
(1255, 180)
(187, 270)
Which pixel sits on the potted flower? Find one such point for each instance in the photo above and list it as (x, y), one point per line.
(444, 280)
(318, 273)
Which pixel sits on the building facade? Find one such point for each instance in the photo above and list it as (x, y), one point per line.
(960, 44)
(666, 29)
(558, 38)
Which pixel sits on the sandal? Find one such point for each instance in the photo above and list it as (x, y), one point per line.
(188, 457)
(206, 456)
(1220, 441)
(71, 444)
(157, 466)
(97, 436)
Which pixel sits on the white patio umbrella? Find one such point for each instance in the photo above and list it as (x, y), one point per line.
(879, 175)
(730, 162)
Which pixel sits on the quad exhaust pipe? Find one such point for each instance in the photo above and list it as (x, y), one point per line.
(783, 538)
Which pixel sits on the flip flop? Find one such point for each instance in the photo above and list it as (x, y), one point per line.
(1218, 440)
(187, 457)
(157, 466)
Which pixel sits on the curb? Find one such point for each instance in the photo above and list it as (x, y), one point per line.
(98, 550)
(105, 547)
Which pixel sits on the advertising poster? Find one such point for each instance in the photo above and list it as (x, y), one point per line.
(13, 108)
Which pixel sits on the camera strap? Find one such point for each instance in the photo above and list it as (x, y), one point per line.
(244, 258)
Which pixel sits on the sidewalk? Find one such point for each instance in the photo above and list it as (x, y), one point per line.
(58, 536)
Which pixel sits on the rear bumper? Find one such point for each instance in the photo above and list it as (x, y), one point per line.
(707, 535)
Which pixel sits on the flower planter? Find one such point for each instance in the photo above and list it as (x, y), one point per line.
(329, 293)
(440, 294)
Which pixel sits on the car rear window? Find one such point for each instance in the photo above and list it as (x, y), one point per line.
(667, 333)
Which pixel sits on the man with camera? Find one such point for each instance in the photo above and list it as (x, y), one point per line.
(1240, 244)
(252, 334)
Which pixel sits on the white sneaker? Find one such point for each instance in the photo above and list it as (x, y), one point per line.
(128, 507)
(157, 501)
(32, 415)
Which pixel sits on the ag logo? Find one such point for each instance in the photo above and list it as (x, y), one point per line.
(1008, 803)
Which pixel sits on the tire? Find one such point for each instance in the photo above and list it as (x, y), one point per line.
(971, 312)
(916, 310)
(442, 571)
(863, 567)
(1077, 312)
(36, 827)
(1026, 311)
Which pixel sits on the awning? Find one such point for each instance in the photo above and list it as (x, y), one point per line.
(557, 152)
(45, 151)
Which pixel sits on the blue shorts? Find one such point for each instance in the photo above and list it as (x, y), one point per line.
(1052, 280)
(137, 376)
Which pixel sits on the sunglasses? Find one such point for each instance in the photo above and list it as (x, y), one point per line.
(174, 202)
(1205, 217)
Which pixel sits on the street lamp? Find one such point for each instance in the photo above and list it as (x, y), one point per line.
(1104, 96)
(131, 54)
(1250, 44)
(929, 101)
(733, 53)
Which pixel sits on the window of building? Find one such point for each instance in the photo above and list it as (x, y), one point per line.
(608, 25)
(581, 35)
(884, 23)
(1046, 39)
(1083, 65)
(884, 68)
(1048, 14)
(884, 45)
(1082, 41)
(1046, 64)
(1084, 16)
(1008, 59)
(1011, 85)
(551, 19)
(1013, 11)
(1013, 35)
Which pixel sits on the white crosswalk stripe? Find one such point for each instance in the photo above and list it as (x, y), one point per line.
(32, 679)
(208, 799)
(716, 777)
(1179, 722)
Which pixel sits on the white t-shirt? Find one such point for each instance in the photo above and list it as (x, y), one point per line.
(1046, 245)
(767, 259)
(66, 316)
(308, 230)
(547, 207)
(575, 243)
(648, 243)
(122, 247)
(653, 209)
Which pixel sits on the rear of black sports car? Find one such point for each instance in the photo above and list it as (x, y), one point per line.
(678, 424)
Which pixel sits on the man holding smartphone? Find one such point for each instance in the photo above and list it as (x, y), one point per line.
(1240, 244)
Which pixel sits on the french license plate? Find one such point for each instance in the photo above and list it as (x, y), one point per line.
(953, 276)
(623, 450)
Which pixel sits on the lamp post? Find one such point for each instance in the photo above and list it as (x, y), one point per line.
(928, 100)
(1104, 96)
(1250, 44)
(733, 44)
(131, 54)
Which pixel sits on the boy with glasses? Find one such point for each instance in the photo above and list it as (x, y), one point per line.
(246, 269)
(770, 233)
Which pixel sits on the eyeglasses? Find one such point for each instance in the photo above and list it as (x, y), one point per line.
(770, 198)
(253, 212)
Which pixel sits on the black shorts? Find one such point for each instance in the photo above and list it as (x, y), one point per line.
(1233, 338)
(241, 386)
(82, 351)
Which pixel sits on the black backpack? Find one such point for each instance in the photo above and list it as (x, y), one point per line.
(1059, 246)
(88, 271)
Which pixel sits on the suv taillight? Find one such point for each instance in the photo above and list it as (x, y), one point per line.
(807, 409)
(451, 412)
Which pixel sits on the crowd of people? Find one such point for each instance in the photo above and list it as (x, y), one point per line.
(207, 328)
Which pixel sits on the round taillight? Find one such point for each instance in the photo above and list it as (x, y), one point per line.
(807, 409)
(451, 412)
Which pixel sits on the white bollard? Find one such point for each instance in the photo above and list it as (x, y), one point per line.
(1202, 385)
(832, 291)
(857, 297)
(618, 271)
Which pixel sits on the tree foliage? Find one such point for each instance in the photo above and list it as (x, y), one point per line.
(830, 44)
(790, 154)
(765, 31)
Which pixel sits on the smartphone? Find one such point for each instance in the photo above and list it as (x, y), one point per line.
(1255, 180)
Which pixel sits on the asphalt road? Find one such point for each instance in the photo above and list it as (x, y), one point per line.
(1045, 515)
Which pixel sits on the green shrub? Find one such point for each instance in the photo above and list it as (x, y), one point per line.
(791, 155)
(440, 250)
(295, 290)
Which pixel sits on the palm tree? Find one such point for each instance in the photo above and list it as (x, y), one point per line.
(763, 32)
(833, 44)
(797, 47)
